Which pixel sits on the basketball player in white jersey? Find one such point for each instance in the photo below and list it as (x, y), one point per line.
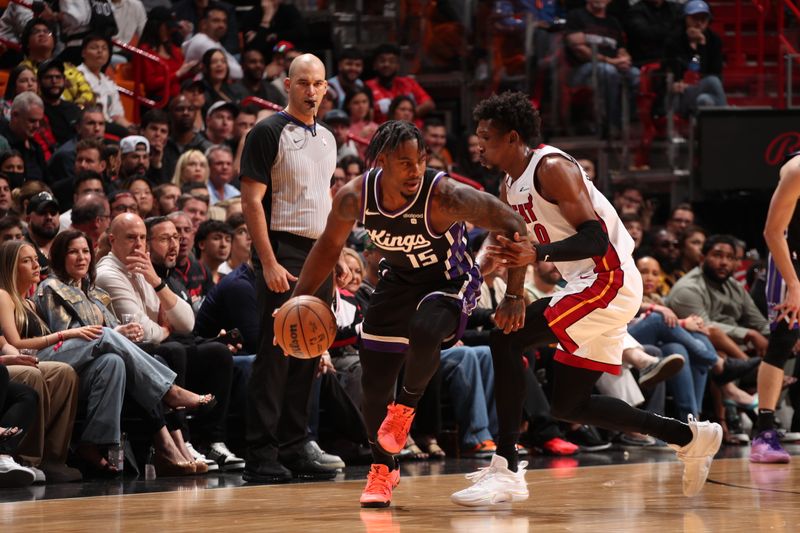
(573, 225)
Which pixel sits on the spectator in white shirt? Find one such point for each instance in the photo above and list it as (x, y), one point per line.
(96, 53)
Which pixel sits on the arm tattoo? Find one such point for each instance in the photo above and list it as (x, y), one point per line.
(349, 206)
(482, 209)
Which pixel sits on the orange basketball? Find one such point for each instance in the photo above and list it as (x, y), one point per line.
(305, 327)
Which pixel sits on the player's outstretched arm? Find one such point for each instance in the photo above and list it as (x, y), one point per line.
(454, 202)
(781, 210)
(325, 252)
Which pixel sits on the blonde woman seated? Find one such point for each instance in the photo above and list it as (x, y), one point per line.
(192, 167)
(102, 357)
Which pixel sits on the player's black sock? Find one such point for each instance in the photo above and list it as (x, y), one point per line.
(507, 449)
(573, 401)
(409, 398)
(380, 457)
(766, 420)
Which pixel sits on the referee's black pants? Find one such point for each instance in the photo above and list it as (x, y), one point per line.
(279, 389)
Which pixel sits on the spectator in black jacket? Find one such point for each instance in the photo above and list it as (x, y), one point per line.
(647, 25)
(694, 56)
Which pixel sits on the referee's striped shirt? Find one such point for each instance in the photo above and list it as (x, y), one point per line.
(296, 163)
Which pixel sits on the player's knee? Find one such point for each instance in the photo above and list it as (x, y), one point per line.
(426, 334)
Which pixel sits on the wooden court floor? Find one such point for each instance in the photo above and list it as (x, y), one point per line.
(634, 497)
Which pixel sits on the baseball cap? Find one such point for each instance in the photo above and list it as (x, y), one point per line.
(281, 47)
(694, 7)
(216, 106)
(41, 201)
(127, 145)
(336, 116)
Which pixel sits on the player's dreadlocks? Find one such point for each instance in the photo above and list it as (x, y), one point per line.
(389, 136)
(511, 111)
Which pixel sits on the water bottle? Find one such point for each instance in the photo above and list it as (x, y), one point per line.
(692, 74)
(149, 467)
(116, 454)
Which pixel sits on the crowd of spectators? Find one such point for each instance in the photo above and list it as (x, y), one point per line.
(126, 279)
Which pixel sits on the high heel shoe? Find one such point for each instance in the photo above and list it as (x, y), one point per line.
(734, 369)
(166, 468)
(207, 403)
(10, 433)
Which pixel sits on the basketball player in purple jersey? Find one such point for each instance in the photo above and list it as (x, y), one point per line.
(428, 280)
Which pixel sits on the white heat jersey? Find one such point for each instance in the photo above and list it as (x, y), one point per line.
(589, 316)
(546, 223)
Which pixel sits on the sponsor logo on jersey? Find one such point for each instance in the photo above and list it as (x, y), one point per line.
(405, 243)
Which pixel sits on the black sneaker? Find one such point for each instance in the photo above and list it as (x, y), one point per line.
(588, 439)
(309, 467)
(266, 472)
(662, 370)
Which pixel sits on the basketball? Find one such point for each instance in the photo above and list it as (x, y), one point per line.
(305, 327)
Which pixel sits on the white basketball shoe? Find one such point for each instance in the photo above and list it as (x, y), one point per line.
(698, 454)
(494, 484)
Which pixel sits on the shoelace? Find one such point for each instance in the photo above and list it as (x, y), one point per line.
(772, 440)
(377, 480)
(481, 474)
(400, 417)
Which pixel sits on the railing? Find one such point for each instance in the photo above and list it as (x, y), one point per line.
(139, 56)
(788, 51)
(260, 102)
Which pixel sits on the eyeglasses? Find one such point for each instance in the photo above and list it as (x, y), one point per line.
(41, 31)
(165, 239)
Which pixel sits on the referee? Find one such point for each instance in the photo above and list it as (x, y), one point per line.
(287, 164)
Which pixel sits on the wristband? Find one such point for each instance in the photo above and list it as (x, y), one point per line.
(161, 285)
(513, 296)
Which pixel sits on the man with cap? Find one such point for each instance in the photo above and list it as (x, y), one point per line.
(61, 114)
(693, 54)
(182, 133)
(339, 123)
(253, 82)
(135, 151)
(219, 121)
(43, 226)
